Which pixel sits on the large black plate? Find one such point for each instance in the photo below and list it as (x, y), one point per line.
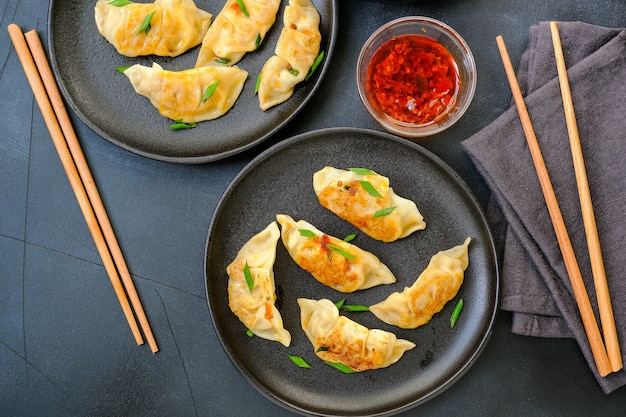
(84, 65)
(280, 181)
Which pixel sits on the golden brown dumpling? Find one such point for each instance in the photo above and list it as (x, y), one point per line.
(438, 284)
(236, 31)
(364, 199)
(255, 308)
(337, 339)
(296, 50)
(333, 262)
(175, 27)
(180, 95)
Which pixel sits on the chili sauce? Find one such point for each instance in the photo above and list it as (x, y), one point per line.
(413, 79)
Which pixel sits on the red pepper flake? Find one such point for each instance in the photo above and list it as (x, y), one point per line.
(236, 8)
(324, 239)
(413, 79)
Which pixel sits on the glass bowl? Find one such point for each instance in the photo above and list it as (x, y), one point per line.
(420, 89)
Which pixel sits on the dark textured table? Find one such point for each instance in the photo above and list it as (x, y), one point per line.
(65, 347)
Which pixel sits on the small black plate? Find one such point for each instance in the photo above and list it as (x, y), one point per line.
(84, 65)
(280, 181)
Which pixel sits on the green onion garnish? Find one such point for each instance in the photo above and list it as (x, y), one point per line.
(250, 333)
(341, 305)
(258, 83)
(294, 72)
(354, 307)
(248, 275)
(456, 312)
(340, 251)
(322, 349)
(317, 61)
(384, 212)
(179, 125)
(340, 366)
(243, 8)
(145, 25)
(258, 40)
(299, 361)
(121, 69)
(210, 90)
(120, 3)
(362, 171)
(370, 189)
(350, 237)
(222, 60)
(307, 233)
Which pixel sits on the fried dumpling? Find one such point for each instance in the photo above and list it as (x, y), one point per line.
(189, 96)
(296, 50)
(364, 198)
(438, 284)
(170, 27)
(333, 262)
(256, 308)
(337, 339)
(237, 30)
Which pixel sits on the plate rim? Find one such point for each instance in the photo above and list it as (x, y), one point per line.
(328, 55)
(293, 141)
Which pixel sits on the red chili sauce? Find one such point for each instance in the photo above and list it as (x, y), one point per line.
(413, 79)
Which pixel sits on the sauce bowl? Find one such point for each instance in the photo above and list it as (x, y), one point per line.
(416, 76)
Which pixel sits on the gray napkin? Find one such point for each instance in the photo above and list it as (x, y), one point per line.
(535, 284)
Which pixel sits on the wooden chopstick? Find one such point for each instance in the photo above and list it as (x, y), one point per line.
(580, 293)
(593, 242)
(32, 38)
(37, 69)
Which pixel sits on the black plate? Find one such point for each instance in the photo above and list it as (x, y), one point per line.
(280, 181)
(84, 65)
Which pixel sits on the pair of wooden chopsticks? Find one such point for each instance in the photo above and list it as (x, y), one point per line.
(607, 357)
(33, 58)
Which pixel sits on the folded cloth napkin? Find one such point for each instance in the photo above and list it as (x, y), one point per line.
(535, 284)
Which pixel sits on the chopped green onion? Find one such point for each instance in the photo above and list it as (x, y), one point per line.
(294, 72)
(145, 25)
(243, 8)
(258, 83)
(384, 212)
(248, 275)
(258, 41)
(362, 171)
(322, 349)
(354, 307)
(179, 125)
(340, 251)
(370, 189)
(120, 3)
(307, 233)
(222, 60)
(340, 366)
(210, 90)
(350, 237)
(317, 61)
(456, 312)
(250, 333)
(299, 361)
(341, 305)
(121, 69)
